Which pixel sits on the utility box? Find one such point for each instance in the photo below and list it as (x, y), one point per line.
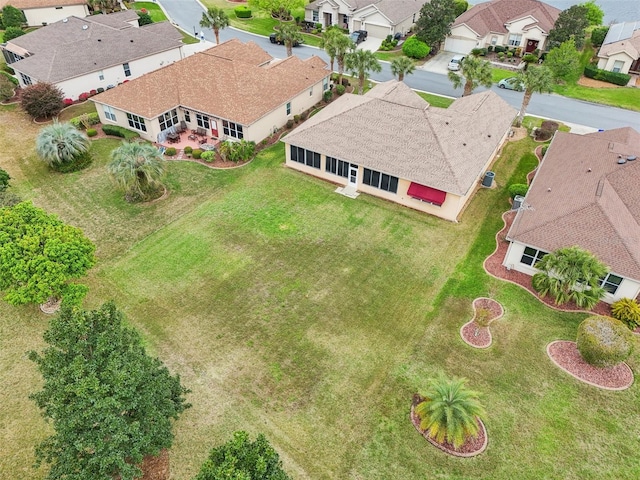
(487, 181)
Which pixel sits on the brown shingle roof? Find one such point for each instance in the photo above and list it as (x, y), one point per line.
(593, 201)
(26, 4)
(394, 10)
(393, 130)
(230, 80)
(492, 16)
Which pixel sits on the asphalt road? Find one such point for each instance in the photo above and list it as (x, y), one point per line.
(187, 13)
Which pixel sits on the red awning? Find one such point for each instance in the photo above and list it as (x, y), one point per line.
(426, 194)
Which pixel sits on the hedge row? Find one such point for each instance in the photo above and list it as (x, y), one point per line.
(616, 78)
(117, 131)
(242, 11)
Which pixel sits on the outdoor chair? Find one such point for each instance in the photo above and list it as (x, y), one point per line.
(183, 126)
(201, 131)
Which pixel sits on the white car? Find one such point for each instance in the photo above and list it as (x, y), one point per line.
(455, 62)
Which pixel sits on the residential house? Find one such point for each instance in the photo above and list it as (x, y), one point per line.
(43, 12)
(378, 17)
(97, 52)
(392, 144)
(584, 194)
(508, 23)
(620, 51)
(232, 91)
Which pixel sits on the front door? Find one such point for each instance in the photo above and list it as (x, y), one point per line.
(531, 46)
(353, 175)
(214, 128)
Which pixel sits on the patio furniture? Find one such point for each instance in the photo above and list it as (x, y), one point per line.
(201, 131)
(192, 137)
(183, 126)
(173, 137)
(204, 140)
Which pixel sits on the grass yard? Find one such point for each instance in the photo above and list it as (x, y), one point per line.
(76, 110)
(313, 318)
(153, 9)
(436, 100)
(622, 97)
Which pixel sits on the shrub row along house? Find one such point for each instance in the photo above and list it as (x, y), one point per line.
(98, 52)
(507, 23)
(620, 51)
(44, 12)
(232, 91)
(392, 144)
(585, 194)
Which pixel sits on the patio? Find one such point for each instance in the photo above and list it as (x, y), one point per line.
(189, 139)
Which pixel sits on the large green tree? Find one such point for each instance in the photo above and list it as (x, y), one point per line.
(475, 72)
(564, 62)
(536, 80)
(571, 23)
(290, 34)
(278, 8)
(360, 63)
(216, 19)
(60, 143)
(39, 255)
(401, 66)
(435, 22)
(570, 274)
(109, 402)
(12, 17)
(450, 411)
(595, 14)
(242, 459)
(137, 168)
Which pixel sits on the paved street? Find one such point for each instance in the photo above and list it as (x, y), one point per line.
(187, 14)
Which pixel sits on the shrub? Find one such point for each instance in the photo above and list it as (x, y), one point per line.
(544, 150)
(340, 89)
(67, 102)
(604, 341)
(91, 132)
(100, 90)
(616, 78)
(388, 43)
(345, 82)
(83, 96)
(627, 310)
(196, 153)
(327, 96)
(118, 131)
(597, 35)
(490, 48)
(170, 152)
(501, 55)
(500, 49)
(188, 150)
(304, 115)
(42, 100)
(208, 156)
(12, 17)
(289, 123)
(296, 118)
(6, 88)
(12, 32)
(479, 52)
(144, 18)
(518, 189)
(4, 179)
(8, 69)
(92, 92)
(415, 48)
(530, 58)
(79, 162)
(509, 54)
(242, 11)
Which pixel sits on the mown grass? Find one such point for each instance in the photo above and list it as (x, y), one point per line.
(498, 74)
(153, 9)
(76, 110)
(313, 318)
(436, 100)
(388, 56)
(621, 97)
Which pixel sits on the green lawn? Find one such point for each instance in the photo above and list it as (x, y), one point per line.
(498, 74)
(388, 56)
(313, 318)
(153, 9)
(436, 100)
(622, 97)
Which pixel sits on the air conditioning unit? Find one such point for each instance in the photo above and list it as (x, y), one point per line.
(518, 200)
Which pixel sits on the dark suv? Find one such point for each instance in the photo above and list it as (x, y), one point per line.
(274, 38)
(358, 36)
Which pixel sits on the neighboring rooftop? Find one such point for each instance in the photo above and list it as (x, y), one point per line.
(622, 37)
(394, 10)
(492, 16)
(621, 31)
(26, 4)
(393, 130)
(582, 196)
(235, 81)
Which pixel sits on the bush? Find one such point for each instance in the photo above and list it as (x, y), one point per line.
(88, 118)
(500, 49)
(42, 100)
(340, 89)
(6, 88)
(242, 11)
(92, 132)
(604, 341)
(530, 58)
(79, 162)
(479, 52)
(627, 310)
(67, 102)
(188, 150)
(501, 56)
(118, 131)
(12, 32)
(415, 48)
(598, 34)
(13, 80)
(518, 189)
(544, 150)
(388, 43)
(289, 123)
(100, 90)
(616, 78)
(4, 179)
(327, 96)
(490, 48)
(208, 156)
(546, 130)
(196, 153)
(304, 115)
(296, 118)
(144, 18)
(12, 17)
(8, 69)
(170, 152)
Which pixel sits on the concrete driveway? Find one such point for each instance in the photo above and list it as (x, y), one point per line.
(438, 64)
(371, 43)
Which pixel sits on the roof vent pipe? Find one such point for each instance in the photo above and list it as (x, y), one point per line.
(84, 27)
(631, 158)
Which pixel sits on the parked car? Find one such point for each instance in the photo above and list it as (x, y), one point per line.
(455, 62)
(512, 83)
(358, 36)
(274, 38)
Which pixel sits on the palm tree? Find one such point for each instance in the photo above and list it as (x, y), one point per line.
(61, 143)
(401, 66)
(475, 71)
(360, 63)
(342, 45)
(328, 41)
(216, 19)
(450, 412)
(535, 79)
(570, 274)
(290, 35)
(137, 168)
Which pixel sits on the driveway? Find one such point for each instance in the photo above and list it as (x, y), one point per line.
(371, 43)
(438, 64)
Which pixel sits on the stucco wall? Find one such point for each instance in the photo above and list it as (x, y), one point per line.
(607, 63)
(41, 16)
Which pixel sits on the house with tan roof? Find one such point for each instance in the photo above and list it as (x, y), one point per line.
(93, 53)
(392, 144)
(378, 17)
(234, 90)
(585, 194)
(521, 24)
(620, 50)
(44, 12)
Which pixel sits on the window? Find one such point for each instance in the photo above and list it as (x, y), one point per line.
(494, 40)
(306, 157)
(514, 39)
(611, 283)
(380, 180)
(202, 120)
(108, 113)
(127, 70)
(136, 122)
(168, 119)
(13, 57)
(289, 108)
(311, 91)
(315, 16)
(337, 167)
(26, 79)
(617, 66)
(187, 116)
(58, 8)
(232, 129)
(325, 84)
(101, 75)
(531, 256)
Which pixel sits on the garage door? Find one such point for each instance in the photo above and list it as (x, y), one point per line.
(459, 45)
(377, 31)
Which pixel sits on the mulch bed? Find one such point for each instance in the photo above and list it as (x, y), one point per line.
(565, 355)
(471, 333)
(51, 306)
(471, 448)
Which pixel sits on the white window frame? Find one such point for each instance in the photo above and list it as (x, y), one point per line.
(325, 84)
(101, 75)
(315, 16)
(288, 108)
(168, 119)
(535, 257)
(127, 69)
(202, 121)
(515, 39)
(136, 122)
(606, 281)
(618, 66)
(26, 79)
(232, 129)
(494, 40)
(109, 113)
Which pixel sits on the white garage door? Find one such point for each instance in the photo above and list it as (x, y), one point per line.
(459, 45)
(377, 31)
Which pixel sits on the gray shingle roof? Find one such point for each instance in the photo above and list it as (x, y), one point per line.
(393, 130)
(394, 10)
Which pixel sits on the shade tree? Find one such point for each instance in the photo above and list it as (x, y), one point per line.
(571, 23)
(434, 23)
(42, 100)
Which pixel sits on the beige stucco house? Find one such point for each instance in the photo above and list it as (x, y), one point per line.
(392, 144)
(44, 12)
(378, 17)
(508, 23)
(233, 90)
(620, 51)
(101, 51)
(584, 194)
